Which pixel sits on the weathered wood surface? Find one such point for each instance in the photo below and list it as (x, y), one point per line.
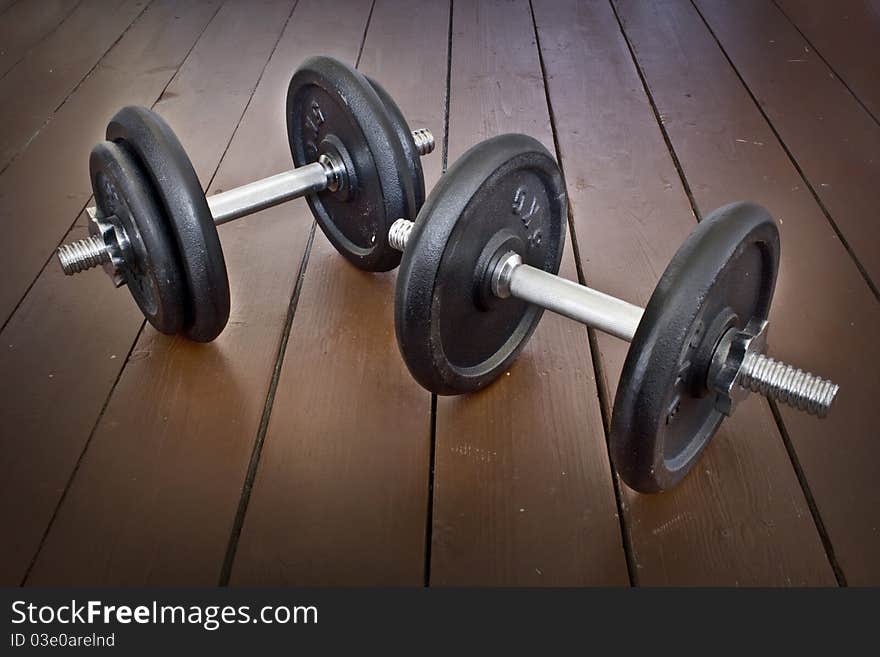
(296, 449)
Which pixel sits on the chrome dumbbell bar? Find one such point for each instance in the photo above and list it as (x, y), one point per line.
(738, 364)
(326, 174)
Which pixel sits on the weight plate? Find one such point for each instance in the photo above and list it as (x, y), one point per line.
(125, 199)
(145, 135)
(504, 194)
(664, 415)
(407, 145)
(331, 108)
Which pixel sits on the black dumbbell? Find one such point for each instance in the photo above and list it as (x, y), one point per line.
(153, 229)
(479, 267)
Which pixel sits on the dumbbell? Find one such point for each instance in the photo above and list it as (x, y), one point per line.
(154, 230)
(479, 268)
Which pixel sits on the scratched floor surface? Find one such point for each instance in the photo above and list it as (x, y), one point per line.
(296, 449)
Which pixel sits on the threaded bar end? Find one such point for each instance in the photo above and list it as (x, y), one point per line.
(399, 233)
(424, 140)
(787, 384)
(83, 254)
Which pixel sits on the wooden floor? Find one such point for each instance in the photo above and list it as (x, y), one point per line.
(296, 449)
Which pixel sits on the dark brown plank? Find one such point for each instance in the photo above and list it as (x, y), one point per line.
(829, 134)
(99, 320)
(34, 89)
(824, 316)
(26, 24)
(69, 338)
(134, 72)
(845, 33)
(522, 488)
(66, 343)
(347, 450)
(159, 484)
(741, 517)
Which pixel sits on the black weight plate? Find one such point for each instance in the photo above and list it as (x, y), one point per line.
(145, 135)
(408, 146)
(331, 105)
(125, 198)
(662, 417)
(503, 194)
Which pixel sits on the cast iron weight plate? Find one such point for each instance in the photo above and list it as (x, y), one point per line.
(504, 194)
(404, 136)
(146, 136)
(664, 415)
(125, 198)
(333, 108)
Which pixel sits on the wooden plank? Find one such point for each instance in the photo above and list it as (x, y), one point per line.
(522, 489)
(26, 24)
(347, 451)
(37, 86)
(828, 133)
(83, 329)
(741, 516)
(6, 4)
(159, 485)
(66, 344)
(845, 33)
(135, 71)
(68, 339)
(824, 316)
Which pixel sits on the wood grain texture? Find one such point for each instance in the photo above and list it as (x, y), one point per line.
(341, 493)
(26, 25)
(6, 4)
(155, 492)
(69, 338)
(148, 489)
(67, 343)
(845, 33)
(824, 315)
(834, 141)
(740, 517)
(134, 72)
(39, 84)
(522, 488)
